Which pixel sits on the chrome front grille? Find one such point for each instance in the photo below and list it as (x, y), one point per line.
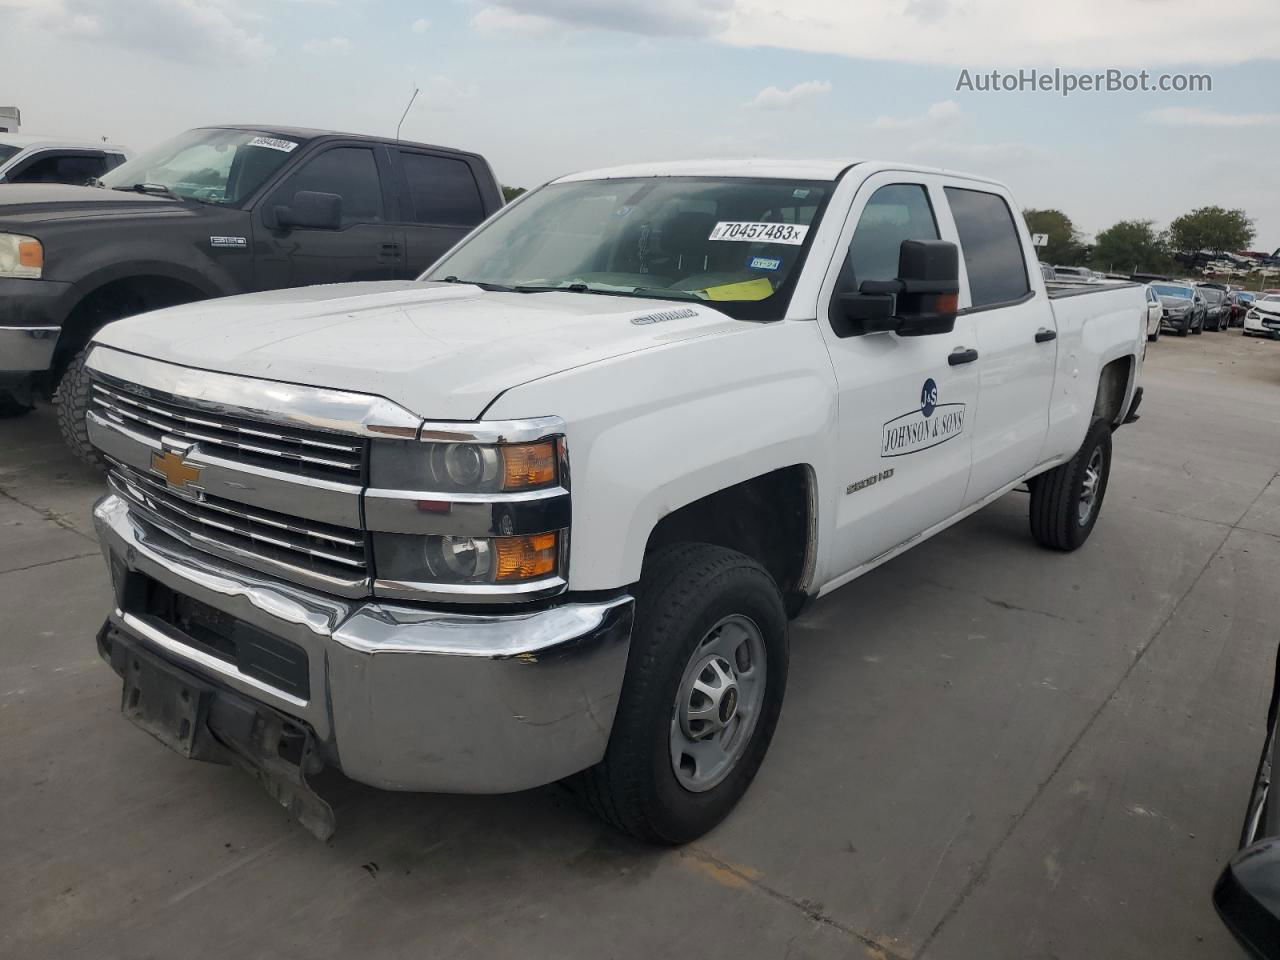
(299, 549)
(307, 453)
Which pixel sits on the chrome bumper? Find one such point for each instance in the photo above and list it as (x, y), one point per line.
(401, 697)
(27, 349)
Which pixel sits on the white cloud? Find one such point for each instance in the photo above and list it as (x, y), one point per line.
(775, 98)
(938, 114)
(1200, 117)
(420, 25)
(501, 19)
(327, 47)
(176, 29)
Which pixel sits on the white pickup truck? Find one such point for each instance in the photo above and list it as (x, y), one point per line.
(545, 512)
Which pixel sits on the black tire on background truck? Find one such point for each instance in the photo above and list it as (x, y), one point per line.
(703, 690)
(71, 401)
(1066, 500)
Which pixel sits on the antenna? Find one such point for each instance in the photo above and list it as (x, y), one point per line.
(406, 110)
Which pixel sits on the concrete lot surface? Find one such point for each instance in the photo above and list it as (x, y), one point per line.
(987, 751)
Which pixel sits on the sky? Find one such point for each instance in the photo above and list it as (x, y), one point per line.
(545, 87)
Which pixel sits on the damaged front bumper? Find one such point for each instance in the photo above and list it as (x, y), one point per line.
(397, 696)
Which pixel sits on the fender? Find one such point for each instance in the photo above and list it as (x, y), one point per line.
(651, 432)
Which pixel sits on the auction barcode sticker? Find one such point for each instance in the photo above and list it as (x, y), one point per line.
(273, 143)
(792, 233)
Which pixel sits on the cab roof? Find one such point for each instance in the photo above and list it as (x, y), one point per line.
(765, 167)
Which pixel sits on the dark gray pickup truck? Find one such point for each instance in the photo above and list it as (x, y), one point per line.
(213, 212)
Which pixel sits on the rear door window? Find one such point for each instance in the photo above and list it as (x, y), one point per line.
(442, 190)
(992, 251)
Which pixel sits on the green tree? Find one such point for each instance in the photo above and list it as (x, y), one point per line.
(1065, 246)
(1212, 228)
(1132, 246)
(510, 193)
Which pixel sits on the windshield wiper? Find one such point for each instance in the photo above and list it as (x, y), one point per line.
(158, 189)
(548, 288)
(482, 284)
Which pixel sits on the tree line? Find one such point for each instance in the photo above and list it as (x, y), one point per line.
(1137, 246)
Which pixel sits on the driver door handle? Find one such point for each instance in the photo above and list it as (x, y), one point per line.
(961, 355)
(1044, 335)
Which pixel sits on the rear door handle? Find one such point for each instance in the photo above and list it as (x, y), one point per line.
(961, 355)
(390, 251)
(1044, 335)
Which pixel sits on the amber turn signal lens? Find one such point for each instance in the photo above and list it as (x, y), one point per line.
(528, 465)
(30, 254)
(526, 558)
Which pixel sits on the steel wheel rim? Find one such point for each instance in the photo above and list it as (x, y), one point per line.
(1090, 487)
(718, 703)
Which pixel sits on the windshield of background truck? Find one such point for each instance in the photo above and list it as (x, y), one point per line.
(7, 150)
(1166, 290)
(216, 166)
(739, 243)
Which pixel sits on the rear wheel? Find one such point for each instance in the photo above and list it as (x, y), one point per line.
(71, 401)
(1066, 500)
(703, 691)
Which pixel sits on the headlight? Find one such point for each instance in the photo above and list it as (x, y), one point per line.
(464, 467)
(20, 256)
(466, 560)
(1253, 314)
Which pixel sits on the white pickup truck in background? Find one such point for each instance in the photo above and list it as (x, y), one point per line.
(545, 513)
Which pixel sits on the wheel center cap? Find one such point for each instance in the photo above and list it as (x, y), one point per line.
(728, 705)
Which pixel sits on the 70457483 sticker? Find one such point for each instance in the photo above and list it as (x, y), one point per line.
(790, 233)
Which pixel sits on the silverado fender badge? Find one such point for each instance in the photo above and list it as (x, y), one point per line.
(234, 242)
(933, 423)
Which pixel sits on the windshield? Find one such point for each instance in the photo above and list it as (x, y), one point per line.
(7, 150)
(737, 242)
(1211, 294)
(1165, 290)
(216, 166)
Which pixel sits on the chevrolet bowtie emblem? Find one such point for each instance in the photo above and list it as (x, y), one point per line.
(176, 471)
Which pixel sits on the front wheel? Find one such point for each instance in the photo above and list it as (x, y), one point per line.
(1184, 328)
(1155, 334)
(703, 691)
(71, 402)
(1198, 328)
(1066, 500)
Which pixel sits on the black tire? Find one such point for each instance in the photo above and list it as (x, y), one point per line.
(1198, 328)
(1153, 337)
(1184, 328)
(71, 401)
(12, 405)
(685, 590)
(1056, 495)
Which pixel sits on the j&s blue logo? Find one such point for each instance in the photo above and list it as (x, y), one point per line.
(928, 397)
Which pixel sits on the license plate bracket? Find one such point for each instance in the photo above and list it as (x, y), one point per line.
(169, 704)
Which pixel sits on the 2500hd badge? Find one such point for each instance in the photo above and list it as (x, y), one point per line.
(932, 424)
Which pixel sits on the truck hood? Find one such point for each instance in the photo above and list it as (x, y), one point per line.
(45, 202)
(443, 351)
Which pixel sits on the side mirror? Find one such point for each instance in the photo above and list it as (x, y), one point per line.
(922, 301)
(317, 211)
